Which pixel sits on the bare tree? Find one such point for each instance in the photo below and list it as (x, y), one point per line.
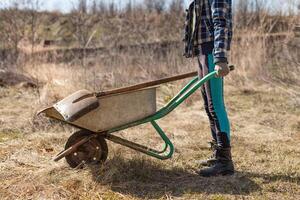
(155, 5)
(82, 6)
(112, 9)
(242, 11)
(94, 7)
(13, 29)
(83, 30)
(82, 27)
(102, 7)
(176, 6)
(33, 7)
(129, 7)
(258, 10)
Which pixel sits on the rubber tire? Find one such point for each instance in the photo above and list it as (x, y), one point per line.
(84, 133)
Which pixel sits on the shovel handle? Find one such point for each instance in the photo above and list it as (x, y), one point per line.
(151, 83)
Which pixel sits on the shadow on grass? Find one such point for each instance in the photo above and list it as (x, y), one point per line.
(145, 179)
(268, 178)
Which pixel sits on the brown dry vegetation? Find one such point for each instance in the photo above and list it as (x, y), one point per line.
(263, 102)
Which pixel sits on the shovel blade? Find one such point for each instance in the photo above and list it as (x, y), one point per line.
(77, 105)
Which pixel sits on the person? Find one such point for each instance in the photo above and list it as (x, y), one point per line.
(208, 35)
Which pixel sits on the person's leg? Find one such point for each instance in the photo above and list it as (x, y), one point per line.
(213, 97)
(214, 94)
(203, 70)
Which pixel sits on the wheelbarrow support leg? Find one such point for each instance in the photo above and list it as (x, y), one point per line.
(168, 143)
(146, 150)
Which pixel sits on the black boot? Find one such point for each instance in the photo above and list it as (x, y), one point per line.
(223, 165)
(212, 159)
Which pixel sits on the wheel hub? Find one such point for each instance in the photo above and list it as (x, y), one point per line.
(89, 152)
(93, 151)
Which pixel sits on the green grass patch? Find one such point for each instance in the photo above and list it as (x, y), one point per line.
(9, 134)
(218, 197)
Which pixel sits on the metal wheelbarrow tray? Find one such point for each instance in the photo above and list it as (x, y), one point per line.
(106, 112)
(99, 115)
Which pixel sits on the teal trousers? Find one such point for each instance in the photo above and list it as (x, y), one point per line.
(213, 96)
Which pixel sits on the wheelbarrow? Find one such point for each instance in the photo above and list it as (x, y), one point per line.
(99, 115)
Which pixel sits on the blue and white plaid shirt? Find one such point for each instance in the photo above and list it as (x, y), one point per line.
(216, 27)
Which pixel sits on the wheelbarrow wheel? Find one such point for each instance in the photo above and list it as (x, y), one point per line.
(94, 151)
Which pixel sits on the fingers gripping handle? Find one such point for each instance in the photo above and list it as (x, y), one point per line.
(218, 74)
(231, 67)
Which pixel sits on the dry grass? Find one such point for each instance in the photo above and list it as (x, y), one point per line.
(265, 126)
(263, 103)
(265, 147)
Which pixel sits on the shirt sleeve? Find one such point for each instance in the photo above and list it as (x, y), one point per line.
(221, 18)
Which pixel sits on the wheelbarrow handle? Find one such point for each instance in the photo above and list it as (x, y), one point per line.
(151, 83)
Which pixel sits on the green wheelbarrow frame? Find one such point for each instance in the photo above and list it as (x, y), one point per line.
(168, 148)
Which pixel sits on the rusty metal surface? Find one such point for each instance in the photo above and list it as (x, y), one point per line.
(80, 140)
(112, 111)
(84, 148)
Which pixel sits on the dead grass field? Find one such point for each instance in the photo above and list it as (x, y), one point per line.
(262, 97)
(265, 137)
(263, 102)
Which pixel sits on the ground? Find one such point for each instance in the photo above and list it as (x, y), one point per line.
(265, 138)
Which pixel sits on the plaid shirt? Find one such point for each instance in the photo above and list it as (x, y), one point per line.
(216, 27)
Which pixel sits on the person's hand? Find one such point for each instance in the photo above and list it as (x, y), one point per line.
(222, 69)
